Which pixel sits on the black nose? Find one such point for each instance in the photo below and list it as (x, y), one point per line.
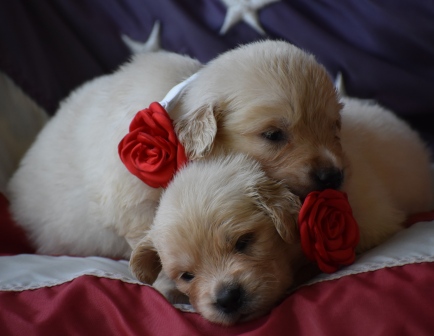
(329, 178)
(229, 299)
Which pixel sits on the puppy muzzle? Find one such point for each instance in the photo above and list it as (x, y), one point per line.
(328, 178)
(230, 299)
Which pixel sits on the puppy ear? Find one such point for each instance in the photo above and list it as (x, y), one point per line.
(281, 205)
(144, 262)
(197, 131)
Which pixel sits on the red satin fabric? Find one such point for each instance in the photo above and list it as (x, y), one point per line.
(391, 301)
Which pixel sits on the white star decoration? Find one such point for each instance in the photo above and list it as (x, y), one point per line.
(243, 10)
(152, 44)
(339, 84)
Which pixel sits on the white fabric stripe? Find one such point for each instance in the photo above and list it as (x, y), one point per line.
(28, 271)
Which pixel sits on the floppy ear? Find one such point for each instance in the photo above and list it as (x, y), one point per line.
(144, 262)
(281, 205)
(197, 131)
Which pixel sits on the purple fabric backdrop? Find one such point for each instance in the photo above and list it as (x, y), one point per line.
(385, 50)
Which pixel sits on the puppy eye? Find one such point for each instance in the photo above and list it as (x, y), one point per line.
(274, 135)
(244, 241)
(186, 276)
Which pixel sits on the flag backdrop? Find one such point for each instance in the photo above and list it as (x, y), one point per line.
(384, 51)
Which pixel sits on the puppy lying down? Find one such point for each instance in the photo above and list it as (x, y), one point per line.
(387, 170)
(226, 235)
(269, 99)
(73, 195)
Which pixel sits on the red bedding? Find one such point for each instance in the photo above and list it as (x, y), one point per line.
(388, 291)
(384, 51)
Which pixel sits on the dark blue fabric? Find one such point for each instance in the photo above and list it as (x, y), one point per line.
(385, 49)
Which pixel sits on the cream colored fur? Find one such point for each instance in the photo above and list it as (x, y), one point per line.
(204, 214)
(388, 174)
(73, 195)
(210, 205)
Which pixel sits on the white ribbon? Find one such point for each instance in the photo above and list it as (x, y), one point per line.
(175, 93)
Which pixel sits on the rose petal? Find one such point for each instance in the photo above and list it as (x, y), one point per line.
(306, 241)
(328, 231)
(335, 225)
(341, 205)
(333, 244)
(305, 210)
(323, 221)
(314, 217)
(151, 150)
(324, 262)
(320, 248)
(336, 199)
(352, 232)
(166, 125)
(342, 257)
(159, 142)
(142, 121)
(155, 179)
(149, 160)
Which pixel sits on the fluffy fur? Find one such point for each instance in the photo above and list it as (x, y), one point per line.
(226, 235)
(387, 170)
(269, 99)
(72, 193)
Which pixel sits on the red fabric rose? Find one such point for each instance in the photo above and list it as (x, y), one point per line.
(151, 151)
(329, 233)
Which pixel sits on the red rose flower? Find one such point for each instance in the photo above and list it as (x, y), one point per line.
(329, 233)
(151, 151)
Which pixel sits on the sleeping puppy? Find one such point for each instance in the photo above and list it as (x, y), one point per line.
(301, 133)
(73, 195)
(226, 235)
(273, 102)
(387, 173)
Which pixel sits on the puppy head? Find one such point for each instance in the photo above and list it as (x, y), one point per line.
(227, 236)
(274, 102)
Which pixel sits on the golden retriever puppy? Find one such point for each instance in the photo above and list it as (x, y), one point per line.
(73, 195)
(387, 173)
(226, 235)
(294, 124)
(269, 99)
(274, 102)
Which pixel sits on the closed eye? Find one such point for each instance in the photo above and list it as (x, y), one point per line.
(187, 276)
(244, 242)
(274, 135)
